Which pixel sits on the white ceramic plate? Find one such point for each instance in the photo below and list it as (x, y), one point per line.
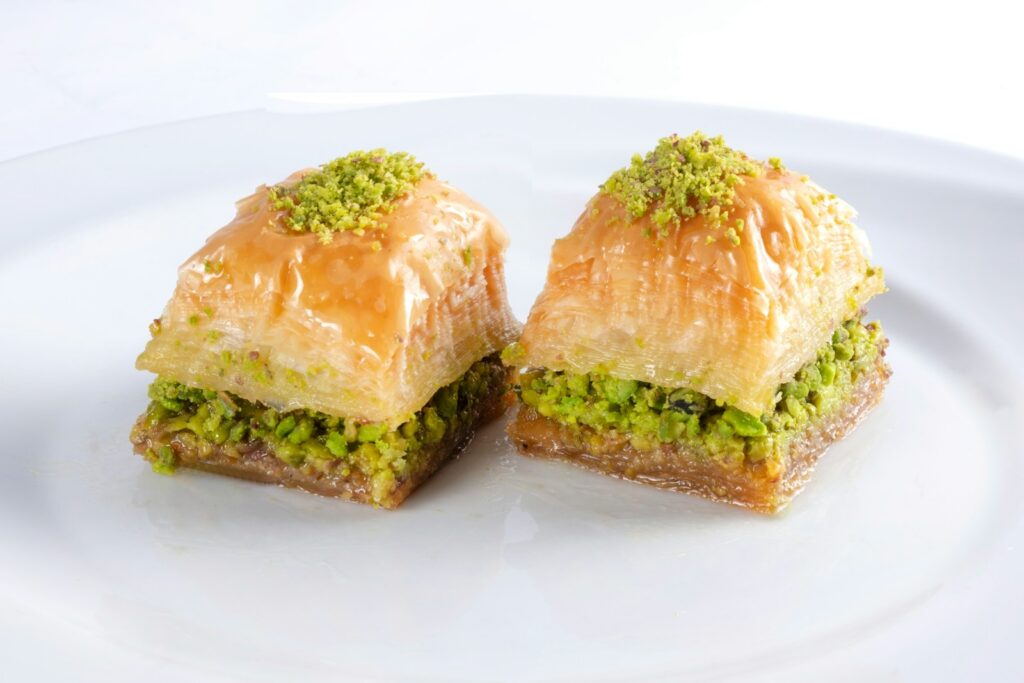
(901, 561)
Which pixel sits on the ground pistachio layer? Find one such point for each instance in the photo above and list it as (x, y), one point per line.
(302, 438)
(651, 415)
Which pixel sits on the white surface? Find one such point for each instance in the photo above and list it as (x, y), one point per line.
(77, 69)
(900, 562)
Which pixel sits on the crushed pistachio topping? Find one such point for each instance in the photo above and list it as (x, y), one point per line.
(649, 415)
(205, 419)
(352, 192)
(682, 178)
(513, 354)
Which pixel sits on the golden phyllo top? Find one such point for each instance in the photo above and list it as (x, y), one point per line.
(357, 289)
(698, 267)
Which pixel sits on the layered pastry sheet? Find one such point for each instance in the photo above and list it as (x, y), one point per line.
(701, 328)
(339, 334)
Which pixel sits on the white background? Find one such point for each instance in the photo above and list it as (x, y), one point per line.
(73, 70)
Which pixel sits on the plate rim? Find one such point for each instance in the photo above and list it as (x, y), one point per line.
(981, 156)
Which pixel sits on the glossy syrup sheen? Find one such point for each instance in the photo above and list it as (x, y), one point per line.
(367, 325)
(691, 308)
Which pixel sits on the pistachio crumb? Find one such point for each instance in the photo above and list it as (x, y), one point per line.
(352, 192)
(163, 460)
(680, 178)
(513, 354)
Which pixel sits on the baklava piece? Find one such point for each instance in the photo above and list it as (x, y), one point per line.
(340, 335)
(702, 329)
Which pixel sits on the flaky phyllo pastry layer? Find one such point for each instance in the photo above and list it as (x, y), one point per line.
(367, 324)
(339, 335)
(730, 307)
(701, 328)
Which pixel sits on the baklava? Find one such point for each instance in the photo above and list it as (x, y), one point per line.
(702, 328)
(340, 335)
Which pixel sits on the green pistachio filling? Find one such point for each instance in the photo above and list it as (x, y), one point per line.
(304, 438)
(352, 192)
(682, 178)
(650, 415)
